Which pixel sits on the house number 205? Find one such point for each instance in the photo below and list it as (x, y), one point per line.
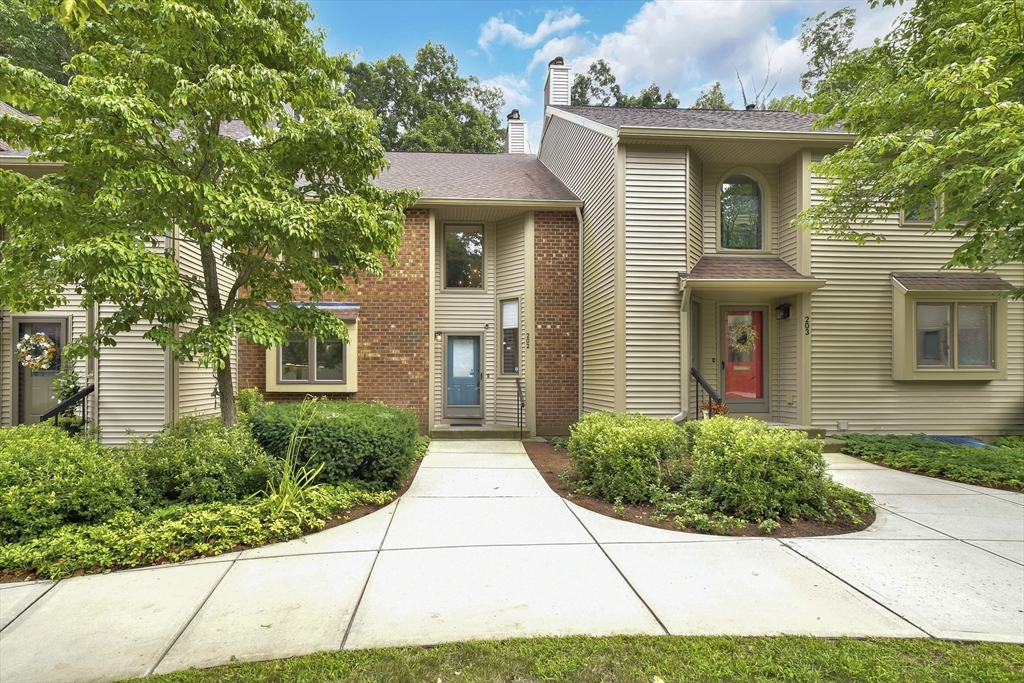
(807, 325)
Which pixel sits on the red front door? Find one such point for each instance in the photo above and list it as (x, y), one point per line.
(744, 357)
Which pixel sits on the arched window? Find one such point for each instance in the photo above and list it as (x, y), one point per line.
(742, 213)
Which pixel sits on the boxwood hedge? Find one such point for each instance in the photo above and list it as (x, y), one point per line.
(369, 443)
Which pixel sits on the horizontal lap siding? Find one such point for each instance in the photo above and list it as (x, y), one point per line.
(789, 180)
(655, 196)
(195, 384)
(785, 371)
(511, 284)
(584, 160)
(851, 323)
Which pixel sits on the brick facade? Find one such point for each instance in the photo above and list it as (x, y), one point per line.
(394, 330)
(556, 320)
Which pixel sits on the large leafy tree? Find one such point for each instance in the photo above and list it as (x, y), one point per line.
(939, 109)
(148, 168)
(428, 106)
(598, 86)
(33, 39)
(712, 98)
(825, 41)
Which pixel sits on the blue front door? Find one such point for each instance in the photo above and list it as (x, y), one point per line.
(463, 376)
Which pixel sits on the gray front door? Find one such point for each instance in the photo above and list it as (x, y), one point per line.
(462, 377)
(35, 387)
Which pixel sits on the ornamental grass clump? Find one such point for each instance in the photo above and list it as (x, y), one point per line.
(626, 457)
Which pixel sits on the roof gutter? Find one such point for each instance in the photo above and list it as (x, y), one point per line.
(627, 133)
(562, 204)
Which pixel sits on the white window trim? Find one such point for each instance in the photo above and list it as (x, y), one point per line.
(766, 212)
(904, 340)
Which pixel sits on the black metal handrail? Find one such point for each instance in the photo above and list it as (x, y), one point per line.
(66, 403)
(520, 406)
(712, 394)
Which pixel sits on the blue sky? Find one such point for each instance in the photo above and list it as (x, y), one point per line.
(683, 45)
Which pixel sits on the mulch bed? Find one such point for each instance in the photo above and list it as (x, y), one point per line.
(9, 576)
(551, 463)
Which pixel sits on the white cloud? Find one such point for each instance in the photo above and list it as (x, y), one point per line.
(515, 89)
(498, 31)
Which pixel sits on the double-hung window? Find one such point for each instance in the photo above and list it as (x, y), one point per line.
(949, 326)
(510, 337)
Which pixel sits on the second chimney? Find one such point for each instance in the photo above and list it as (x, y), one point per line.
(557, 89)
(515, 134)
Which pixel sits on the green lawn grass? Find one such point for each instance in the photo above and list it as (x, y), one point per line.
(626, 659)
(1001, 467)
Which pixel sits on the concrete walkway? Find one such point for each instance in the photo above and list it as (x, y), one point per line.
(480, 547)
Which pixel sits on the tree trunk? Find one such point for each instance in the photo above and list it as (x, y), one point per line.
(228, 414)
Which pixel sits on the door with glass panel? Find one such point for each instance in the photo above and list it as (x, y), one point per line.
(35, 387)
(744, 366)
(462, 377)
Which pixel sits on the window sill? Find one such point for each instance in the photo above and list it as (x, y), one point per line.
(950, 375)
(309, 388)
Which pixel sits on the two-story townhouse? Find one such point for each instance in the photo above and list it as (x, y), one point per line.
(691, 264)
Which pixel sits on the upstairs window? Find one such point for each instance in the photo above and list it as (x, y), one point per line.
(742, 213)
(463, 257)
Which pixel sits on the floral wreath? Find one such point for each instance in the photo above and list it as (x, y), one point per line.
(36, 351)
(742, 338)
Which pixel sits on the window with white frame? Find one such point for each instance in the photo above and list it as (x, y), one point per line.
(741, 212)
(510, 337)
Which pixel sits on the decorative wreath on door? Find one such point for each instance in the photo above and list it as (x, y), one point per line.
(742, 338)
(36, 351)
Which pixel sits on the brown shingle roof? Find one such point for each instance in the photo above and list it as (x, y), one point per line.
(952, 281)
(743, 268)
(703, 119)
(509, 177)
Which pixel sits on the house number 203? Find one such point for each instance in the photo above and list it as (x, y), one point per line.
(807, 325)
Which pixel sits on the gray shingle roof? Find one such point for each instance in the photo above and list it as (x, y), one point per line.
(702, 119)
(7, 150)
(948, 281)
(743, 268)
(509, 177)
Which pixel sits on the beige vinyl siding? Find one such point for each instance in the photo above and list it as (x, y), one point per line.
(511, 284)
(785, 385)
(466, 311)
(655, 211)
(714, 174)
(77, 318)
(131, 389)
(789, 181)
(694, 210)
(584, 160)
(851, 343)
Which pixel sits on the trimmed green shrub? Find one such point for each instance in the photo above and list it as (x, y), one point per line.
(247, 400)
(369, 443)
(197, 460)
(747, 469)
(48, 478)
(1000, 466)
(625, 456)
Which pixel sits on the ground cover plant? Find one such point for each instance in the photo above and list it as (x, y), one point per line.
(641, 659)
(1001, 466)
(69, 505)
(720, 475)
(345, 440)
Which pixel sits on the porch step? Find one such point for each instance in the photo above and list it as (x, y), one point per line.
(486, 432)
(812, 432)
(833, 445)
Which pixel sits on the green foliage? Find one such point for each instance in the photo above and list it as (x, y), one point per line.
(422, 444)
(428, 107)
(141, 130)
(131, 538)
(625, 456)
(559, 442)
(712, 98)
(938, 107)
(48, 478)
(825, 41)
(34, 40)
(599, 87)
(199, 461)
(370, 443)
(753, 471)
(247, 400)
(1002, 466)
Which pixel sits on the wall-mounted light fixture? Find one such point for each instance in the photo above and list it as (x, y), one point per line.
(438, 336)
(782, 311)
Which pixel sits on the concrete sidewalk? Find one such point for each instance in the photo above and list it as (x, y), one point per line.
(480, 547)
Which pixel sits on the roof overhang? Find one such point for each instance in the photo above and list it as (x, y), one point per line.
(525, 204)
(773, 288)
(646, 133)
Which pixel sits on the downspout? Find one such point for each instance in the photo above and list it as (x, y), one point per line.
(684, 354)
(579, 316)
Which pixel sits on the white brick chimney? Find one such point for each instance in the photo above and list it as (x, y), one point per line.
(557, 89)
(515, 134)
